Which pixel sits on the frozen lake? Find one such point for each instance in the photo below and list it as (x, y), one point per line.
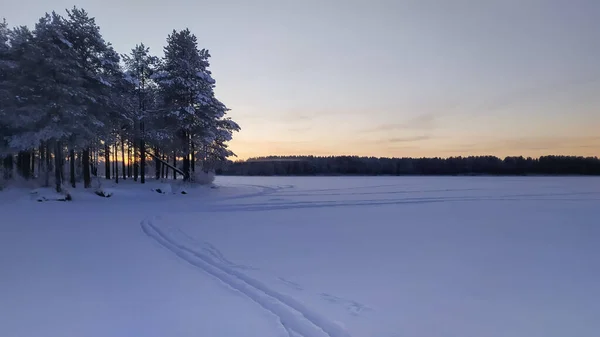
(307, 256)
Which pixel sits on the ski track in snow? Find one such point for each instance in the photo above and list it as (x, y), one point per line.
(296, 319)
(263, 191)
(355, 308)
(281, 204)
(290, 284)
(213, 251)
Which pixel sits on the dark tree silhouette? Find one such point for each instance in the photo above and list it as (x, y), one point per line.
(354, 165)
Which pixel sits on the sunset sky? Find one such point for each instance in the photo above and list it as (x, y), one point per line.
(383, 78)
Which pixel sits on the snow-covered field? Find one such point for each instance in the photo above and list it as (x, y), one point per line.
(324, 256)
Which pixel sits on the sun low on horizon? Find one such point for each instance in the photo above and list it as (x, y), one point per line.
(384, 78)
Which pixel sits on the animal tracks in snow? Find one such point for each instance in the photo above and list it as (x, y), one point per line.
(296, 319)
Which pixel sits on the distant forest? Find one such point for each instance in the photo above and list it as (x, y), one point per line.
(354, 165)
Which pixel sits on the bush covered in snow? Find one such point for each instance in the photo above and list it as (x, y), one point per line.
(16, 180)
(164, 189)
(104, 192)
(202, 177)
(49, 194)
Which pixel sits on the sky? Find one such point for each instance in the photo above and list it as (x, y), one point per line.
(403, 78)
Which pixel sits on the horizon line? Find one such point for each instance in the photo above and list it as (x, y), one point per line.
(293, 158)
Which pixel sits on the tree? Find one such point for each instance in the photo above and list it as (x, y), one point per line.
(7, 64)
(103, 81)
(139, 67)
(50, 99)
(189, 108)
(64, 97)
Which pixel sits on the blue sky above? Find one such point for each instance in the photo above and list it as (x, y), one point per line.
(383, 78)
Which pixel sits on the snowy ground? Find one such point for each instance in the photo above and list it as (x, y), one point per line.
(335, 256)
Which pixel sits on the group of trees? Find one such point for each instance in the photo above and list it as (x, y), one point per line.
(353, 165)
(66, 96)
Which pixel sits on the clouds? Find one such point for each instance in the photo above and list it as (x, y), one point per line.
(414, 130)
(528, 146)
(420, 122)
(407, 139)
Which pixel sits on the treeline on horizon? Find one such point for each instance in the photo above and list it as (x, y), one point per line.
(68, 99)
(355, 165)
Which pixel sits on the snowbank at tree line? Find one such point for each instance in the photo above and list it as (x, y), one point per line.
(203, 177)
(103, 187)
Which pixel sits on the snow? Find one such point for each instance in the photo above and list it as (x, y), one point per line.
(206, 77)
(318, 256)
(189, 109)
(65, 41)
(104, 81)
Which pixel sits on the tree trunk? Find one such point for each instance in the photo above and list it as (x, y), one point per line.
(27, 164)
(174, 164)
(129, 162)
(136, 166)
(96, 161)
(92, 158)
(62, 164)
(142, 156)
(32, 172)
(87, 178)
(24, 164)
(48, 163)
(78, 166)
(8, 167)
(41, 159)
(166, 174)
(193, 157)
(186, 157)
(20, 169)
(116, 159)
(58, 166)
(157, 163)
(186, 167)
(107, 160)
(19, 163)
(72, 166)
(123, 159)
(166, 163)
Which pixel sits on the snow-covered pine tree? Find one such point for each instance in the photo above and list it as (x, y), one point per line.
(103, 81)
(7, 64)
(218, 151)
(50, 99)
(190, 108)
(5, 96)
(62, 91)
(139, 67)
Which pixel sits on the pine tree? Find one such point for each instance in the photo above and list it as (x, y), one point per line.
(50, 99)
(189, 108)
(64, 97)
(7, 64)
(103, 81)
(139, 67)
